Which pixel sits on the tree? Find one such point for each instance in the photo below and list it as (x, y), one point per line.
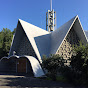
(5, 42)
(14, 31)
(78, 71)
(80, 57)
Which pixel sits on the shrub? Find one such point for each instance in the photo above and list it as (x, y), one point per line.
(78, 70)
(53, 64)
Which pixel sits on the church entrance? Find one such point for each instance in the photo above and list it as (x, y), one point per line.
(21, 65)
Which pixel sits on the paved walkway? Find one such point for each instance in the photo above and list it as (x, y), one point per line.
(14, 81)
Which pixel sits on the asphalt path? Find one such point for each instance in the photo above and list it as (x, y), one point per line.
(16, 81)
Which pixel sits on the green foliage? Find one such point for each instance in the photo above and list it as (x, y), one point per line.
(5, 42)
(61, 78)
(80, 58)
(14, 31)
(77, 72)
(53, 64)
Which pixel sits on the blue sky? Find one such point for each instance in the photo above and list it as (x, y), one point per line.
(34, 12)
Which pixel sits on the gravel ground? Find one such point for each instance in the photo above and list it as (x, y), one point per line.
(15, 81)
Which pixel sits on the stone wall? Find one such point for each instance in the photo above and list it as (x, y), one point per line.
(25, 47)
(65, 50)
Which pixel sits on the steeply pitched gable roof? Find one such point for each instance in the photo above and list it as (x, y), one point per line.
(59, 35)
(37, 38)
(46, 43)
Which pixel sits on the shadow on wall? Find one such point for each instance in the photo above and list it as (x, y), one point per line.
(21, 64)
(7, 65)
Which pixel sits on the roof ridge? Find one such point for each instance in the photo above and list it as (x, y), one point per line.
(31, 24)
(60, 33)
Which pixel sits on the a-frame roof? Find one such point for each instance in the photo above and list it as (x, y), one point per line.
(46, 43)
(59, 35)
(38, 38)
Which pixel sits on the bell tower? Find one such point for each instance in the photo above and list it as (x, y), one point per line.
(50, 19)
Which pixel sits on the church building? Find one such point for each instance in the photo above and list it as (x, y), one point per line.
(30, 43)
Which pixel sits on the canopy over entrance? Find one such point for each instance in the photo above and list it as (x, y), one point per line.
(22, 64)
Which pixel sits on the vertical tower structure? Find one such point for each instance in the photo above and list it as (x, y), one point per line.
(50, 19)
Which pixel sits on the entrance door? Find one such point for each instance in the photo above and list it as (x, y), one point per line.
(21, 66)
